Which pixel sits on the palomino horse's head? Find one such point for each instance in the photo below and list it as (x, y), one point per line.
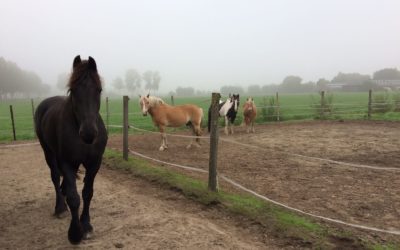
(144, 102)
(248, 105)
(235, 100)
(84, 93)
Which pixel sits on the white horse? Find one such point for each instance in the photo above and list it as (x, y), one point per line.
(228, 110)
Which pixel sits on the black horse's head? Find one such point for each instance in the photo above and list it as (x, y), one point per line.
(85, 89)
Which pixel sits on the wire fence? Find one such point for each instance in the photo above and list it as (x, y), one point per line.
(21, 126)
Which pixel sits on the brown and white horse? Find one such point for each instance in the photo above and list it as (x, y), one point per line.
(250, 114)
(165, 115)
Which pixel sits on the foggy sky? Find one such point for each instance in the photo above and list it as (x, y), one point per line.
(203, 44)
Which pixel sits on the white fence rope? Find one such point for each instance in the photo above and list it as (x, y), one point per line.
(316, 158)
(168, 134)
(395, 232)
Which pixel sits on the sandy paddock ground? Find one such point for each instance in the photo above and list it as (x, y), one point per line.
(126, 212)
(268, 162)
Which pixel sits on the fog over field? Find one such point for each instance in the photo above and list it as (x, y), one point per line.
(203, 44)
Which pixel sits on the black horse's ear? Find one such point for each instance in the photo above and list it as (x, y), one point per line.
(92, 64)
(77, 61)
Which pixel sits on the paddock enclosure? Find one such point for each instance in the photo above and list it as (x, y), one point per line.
(127, 212)
(343, 170)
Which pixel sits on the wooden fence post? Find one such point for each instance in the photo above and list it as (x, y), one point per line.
(107, 116)
(369, 103)
(125, 128)
(172, 100)
(33, 118)
(277, 107)
(12, 122)
(212, 170)
(322, 104)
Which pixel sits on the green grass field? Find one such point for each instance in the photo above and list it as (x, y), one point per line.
(346, 106)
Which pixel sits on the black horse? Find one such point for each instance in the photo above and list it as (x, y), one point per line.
(228, 110)
(71, 132)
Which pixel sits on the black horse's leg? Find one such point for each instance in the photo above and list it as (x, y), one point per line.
(75, 232)
(60, 207)
(87, 194)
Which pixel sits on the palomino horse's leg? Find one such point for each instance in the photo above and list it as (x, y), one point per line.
(163, 138)
(252, 127)
(196, 131)
(87, 194)
(75, 232)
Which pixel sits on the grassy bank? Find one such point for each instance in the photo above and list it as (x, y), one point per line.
(285, 225)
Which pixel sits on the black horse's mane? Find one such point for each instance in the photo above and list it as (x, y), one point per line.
(80, 72)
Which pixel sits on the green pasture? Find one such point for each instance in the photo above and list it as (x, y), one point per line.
(344, 106)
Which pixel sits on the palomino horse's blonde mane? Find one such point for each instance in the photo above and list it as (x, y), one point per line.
(154, 101)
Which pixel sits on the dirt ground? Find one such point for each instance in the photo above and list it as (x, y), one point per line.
(362, 196)
(134, 214)
(126, 213)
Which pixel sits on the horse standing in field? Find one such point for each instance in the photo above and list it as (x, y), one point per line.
(71, 132)
(165, 115)
(249, 114)
(228, 110)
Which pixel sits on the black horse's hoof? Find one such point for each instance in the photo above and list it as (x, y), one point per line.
(61, 212)
(87, 227)
(61, 215)
(75, 234)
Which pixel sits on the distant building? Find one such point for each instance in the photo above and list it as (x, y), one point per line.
(335, 86)
(392, 84)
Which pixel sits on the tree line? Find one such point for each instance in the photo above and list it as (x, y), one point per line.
(295, 84)
(132, 82)
(16, 82)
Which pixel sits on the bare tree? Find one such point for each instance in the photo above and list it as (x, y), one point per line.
(132, 80)
(152, 79)
(118, 84)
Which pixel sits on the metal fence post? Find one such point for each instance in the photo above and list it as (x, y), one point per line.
(212, 172)
(172, 100)
(107, 116)
(33, 118)
(369, 103)
(12, 122)
(126, 127)
(277, 107)
(322, 104)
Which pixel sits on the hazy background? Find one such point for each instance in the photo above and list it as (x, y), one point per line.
(203, 44)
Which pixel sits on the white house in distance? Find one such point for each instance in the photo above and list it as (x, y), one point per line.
(388, 84)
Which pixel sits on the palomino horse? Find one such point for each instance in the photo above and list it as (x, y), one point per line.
(71, 132)
(250, 114)
(228, 110)
(165, 115)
